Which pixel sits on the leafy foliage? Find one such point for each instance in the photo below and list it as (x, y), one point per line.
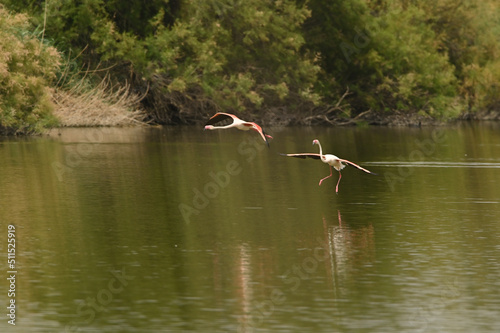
(470, 31)
(26, 68)
(437, 58)
(240, 54)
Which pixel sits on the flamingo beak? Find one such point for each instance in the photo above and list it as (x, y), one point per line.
(265, 137)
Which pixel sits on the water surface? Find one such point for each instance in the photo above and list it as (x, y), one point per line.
(181, 230)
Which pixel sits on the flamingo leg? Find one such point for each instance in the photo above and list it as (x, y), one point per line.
(326, 176)
(337, 187)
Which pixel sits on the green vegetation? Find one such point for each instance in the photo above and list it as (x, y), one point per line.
(434, 57)
(289, 61)
(27, 67)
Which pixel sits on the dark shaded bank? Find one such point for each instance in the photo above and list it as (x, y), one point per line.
(194, 108)
(318, 116)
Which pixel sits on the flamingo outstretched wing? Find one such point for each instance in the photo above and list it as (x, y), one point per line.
(220, 116)
(304, 155)
(357, 166)
(235, 123)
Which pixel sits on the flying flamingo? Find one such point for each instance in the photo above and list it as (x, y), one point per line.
(237, 123)
(331, 160)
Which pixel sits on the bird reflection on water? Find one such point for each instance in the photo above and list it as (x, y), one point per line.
(350, 250)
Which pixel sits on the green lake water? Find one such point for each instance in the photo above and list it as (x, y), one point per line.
(184, 230)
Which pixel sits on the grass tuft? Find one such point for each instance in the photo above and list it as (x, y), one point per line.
(77, 104)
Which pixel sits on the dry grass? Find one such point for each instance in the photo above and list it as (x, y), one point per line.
(103, 105)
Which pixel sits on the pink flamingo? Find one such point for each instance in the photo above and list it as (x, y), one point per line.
(237, 123)
(331, 160)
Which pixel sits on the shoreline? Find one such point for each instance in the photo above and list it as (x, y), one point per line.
(138, 120)
(139, 117)
(393, 122)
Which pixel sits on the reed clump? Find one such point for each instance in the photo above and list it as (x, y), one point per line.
(78, 103)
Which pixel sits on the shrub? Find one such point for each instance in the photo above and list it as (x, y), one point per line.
(232, 55)
(412, 74)
(27, 66)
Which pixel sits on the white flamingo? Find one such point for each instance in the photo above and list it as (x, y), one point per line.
(331, 160)
(237, 123)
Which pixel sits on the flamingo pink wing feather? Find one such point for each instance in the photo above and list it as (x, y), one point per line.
(220, 116)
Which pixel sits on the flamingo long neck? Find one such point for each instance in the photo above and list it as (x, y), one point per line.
(320, 149)
(222, 127)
